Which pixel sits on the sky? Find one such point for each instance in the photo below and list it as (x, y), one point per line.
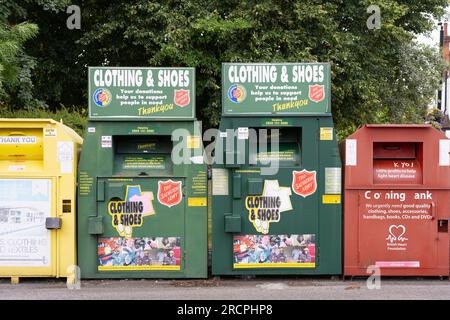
(433, 38)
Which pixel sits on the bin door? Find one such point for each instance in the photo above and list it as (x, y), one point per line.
(279, 212)
(397, 229)
(27, 247)
(144, 222)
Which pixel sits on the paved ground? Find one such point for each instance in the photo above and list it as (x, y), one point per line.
(260, 288)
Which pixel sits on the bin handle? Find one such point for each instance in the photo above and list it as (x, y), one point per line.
(433, 210)
(16, 133)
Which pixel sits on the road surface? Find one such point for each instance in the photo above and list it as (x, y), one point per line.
(228, 288)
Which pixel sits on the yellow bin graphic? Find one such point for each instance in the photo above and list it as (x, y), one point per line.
(38, 164)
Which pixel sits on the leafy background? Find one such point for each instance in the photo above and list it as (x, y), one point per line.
(378, 76)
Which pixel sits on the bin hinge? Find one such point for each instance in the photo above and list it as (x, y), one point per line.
(100, 191)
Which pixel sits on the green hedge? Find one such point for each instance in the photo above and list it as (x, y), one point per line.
(76, 118)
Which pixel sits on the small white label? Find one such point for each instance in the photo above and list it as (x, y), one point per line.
(16, 168)
(350, 152)
(66, 167)
(223, 134)
(106, 141)
(50, 132)
(17, 140)
(197, 159)
(332, 180)
(243, 133)
(91, 129)
(444, 150)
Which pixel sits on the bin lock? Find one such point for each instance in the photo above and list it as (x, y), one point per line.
(53, 223)
(95, 225)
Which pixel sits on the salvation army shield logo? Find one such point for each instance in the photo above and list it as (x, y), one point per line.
(316, 92)
(181, 98)
(169, 192)
(304, 183)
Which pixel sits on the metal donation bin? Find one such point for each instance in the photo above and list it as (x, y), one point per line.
(397, 201)
(286, 221)
(38, 161)
(142, 212)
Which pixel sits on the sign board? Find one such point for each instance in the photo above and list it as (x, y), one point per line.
(24, 206)
(276, 88)
(132, 93)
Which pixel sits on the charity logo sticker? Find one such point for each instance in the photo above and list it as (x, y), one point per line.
(396, 239)
(181, 98)
(102, 97)
(130, 212)
(267, 207)
(236, 93)
(170, 192)
(316, 92)
(304, 183)
(396, 233)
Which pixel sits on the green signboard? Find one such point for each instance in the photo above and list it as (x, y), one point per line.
(131, 93)
(275, 88)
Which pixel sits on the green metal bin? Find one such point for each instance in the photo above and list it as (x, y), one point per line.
(142, 193)
(288, 221)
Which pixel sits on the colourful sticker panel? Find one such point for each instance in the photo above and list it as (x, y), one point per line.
(151, 253)
(274, 251)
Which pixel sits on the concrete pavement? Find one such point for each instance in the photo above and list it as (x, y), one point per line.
(228, 288)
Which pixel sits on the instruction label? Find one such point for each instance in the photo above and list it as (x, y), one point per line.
(350, 152)
(24, 206)
(85, 183)
(134, 163)
(395, 220)
(106, 141)
(220, 182)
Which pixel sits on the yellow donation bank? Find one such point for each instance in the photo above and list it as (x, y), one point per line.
(38, 159)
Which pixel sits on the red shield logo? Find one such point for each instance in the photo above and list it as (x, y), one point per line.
(181, 98)
(169, 192)
(316, 92)
(304, 182)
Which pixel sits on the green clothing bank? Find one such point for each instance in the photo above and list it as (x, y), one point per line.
(142, 214)
(287, 222)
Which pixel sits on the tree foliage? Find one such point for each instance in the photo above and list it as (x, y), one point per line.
(15, 65)
(378, 75)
